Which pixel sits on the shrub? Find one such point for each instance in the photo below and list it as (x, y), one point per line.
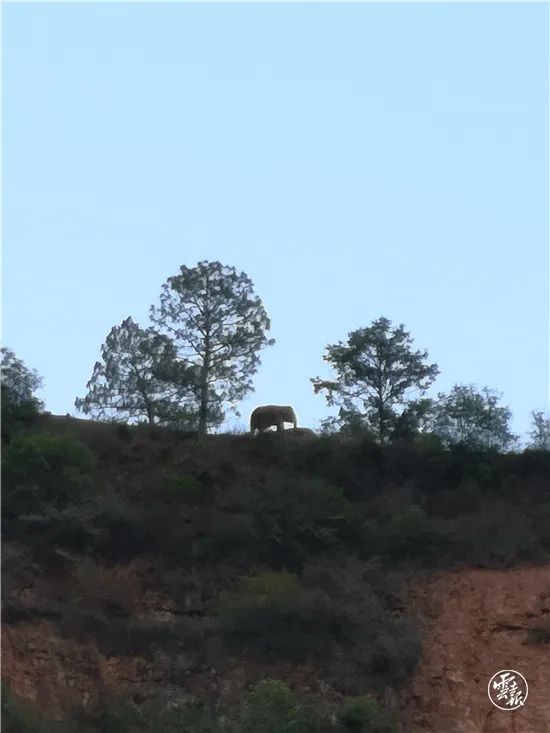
(278, 590)
(18, 718)
(117, 590)
(531, 462)
(366, 714)
(124, 432)
(185, 489)
(271, 613)
(272, 708)
(427, 443)
(495, 535)
(266, 611)
(412, 534)
(293, 518)
(45, 470)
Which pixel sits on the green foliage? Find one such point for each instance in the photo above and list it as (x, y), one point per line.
(415, 421)
(268, 614)
(428, 443)
(19, 405)
(271, 707)
(412, 534)
(540, 431)
(294, 517)
(365, 715)
(219, 327)
(376, 371)
(473, 419)
(131, 383)
(185, 489)
(267, 611)
(45, 470)
(409, 534)
(279, 591)
(18, 718)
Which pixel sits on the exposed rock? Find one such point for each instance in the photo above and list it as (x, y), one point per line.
(481, 626)
(476, 622)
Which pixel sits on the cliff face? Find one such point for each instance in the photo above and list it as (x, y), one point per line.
(475, 623)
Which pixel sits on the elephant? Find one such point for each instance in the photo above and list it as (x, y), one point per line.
(267, 415)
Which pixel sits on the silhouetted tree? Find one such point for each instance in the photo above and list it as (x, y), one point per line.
(416, 418)
(378, 376)
(130, 380)
(19, 404)
(473, 418)
(540, 432)
(219, 327)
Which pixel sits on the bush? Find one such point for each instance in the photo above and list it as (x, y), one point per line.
(277, 590)
(185, 489)
(296, 517)
(45, 470)
(496, 535)
(412, 534)
(531, 462)
(266, 611)
(116, 591)
(427, 443)
(17, 718)
(366, 714)
(272, 708)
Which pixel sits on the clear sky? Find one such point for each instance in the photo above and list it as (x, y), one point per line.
(355, 160)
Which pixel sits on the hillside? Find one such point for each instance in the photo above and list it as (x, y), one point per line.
(154, 582)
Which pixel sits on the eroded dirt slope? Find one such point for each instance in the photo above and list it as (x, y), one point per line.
(478, 622)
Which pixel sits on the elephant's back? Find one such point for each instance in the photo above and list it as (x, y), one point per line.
(268, 408)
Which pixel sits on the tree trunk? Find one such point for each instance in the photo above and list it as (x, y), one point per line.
(203, 408)
(205, 371)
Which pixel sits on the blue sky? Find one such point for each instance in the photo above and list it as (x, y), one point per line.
(355, 160)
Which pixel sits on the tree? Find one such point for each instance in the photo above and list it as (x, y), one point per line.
(416, 418)
(19, 404)
(473, 418)
(130, 381)
(540, 433)
(378, 375)
(219, 326)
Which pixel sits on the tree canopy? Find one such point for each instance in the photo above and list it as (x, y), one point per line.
(130, 380)
(473, 418)
(218, 326)
(19, 383)
(379, 375)
(540, 430)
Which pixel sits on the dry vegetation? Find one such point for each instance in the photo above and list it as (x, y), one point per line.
(154, 543)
